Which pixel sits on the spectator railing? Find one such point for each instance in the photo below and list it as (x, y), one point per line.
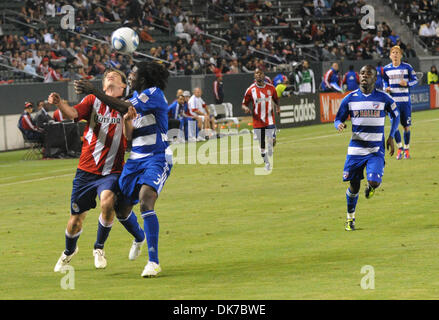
(134, 53)
(16, 13)
(33, 75)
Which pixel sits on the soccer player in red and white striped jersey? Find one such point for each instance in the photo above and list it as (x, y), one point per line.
(100, 165)
(264, 99)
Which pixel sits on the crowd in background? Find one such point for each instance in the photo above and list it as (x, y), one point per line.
(69, 56)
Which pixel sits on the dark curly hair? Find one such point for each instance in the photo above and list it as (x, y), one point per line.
(154, 74)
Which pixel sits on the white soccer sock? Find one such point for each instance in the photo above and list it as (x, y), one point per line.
(350, 216)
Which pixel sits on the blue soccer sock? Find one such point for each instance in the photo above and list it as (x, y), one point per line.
(104, 229)
(351, 199)
(151, 227)
(406, 139)
(398, 138)
(71, 240)
(133, 227)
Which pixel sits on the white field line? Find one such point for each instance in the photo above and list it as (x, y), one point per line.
(176, 159)
(36, 173)
(34, 180)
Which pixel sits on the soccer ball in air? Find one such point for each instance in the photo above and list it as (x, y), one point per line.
(125, 40)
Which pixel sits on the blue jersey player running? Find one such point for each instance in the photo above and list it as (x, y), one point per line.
(367, 108)
(398, 78)
(150, 161)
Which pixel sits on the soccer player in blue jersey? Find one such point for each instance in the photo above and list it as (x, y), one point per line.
(150, 161)
(367, 108)
(398, 78)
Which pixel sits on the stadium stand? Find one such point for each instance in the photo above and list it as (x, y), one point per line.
(234, 36)
(422, 17)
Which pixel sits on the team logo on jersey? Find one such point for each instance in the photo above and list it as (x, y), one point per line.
(376, 105)
(269, 92)
(103, 119)
(75, 207)
(143, 97)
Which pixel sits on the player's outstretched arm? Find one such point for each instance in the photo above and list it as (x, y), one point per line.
(63, 106)
(85, 86)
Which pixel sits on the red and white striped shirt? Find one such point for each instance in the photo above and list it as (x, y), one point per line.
(50, 75)
(104, 144)
(27, 123)
(262, 98)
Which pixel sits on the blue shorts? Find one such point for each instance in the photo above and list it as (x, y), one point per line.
(405, 113)
(152, 171)
(354, 167)
(86, 186)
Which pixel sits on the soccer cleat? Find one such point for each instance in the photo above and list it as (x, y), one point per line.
(135, 250)
(406, 154)
(369, 192)
(100, 260)
(267, 167)
(350, 225)
(64, 260)
(152, 269)
(399, 154)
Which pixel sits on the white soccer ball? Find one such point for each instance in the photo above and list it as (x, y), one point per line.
(125, 40)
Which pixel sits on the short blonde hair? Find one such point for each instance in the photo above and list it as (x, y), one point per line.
(396, 47)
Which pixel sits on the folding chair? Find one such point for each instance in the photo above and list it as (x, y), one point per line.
(34, 149)
(223, 113)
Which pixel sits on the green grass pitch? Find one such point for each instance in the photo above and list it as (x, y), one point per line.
(226, 233)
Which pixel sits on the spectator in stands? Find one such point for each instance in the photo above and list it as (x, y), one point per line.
(331, 79)
(48, 35)
(379, 39)
(27, 126)
(394, 37)
(351, 79)
(30, 68)
(425, 30)
(190, 27)
(409, 52)
(51, 8)
(432, 75)
(218, 89)
(180, 31)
